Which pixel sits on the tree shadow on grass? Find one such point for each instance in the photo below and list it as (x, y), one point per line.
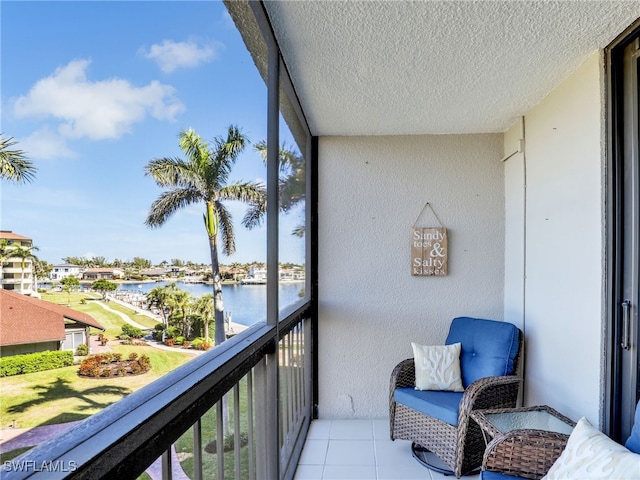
(61, 389)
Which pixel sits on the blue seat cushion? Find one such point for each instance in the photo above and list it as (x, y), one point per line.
(488, 475)
(442, 405)
(489, 347)
(633, 442)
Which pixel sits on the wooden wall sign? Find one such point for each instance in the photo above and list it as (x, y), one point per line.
(429, 251)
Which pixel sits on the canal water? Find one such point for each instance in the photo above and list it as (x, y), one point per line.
(247, 304)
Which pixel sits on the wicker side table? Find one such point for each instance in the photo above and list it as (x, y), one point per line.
(523, 442)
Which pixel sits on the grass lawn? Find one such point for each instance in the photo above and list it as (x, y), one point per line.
(61, 395)
(57, 396)
(111, 321)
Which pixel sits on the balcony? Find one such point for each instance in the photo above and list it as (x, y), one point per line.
(170, 426)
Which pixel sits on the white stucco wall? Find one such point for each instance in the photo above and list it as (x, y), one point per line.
(371, 308)
(564, 245)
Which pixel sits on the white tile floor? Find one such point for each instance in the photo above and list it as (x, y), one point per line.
(359, 450)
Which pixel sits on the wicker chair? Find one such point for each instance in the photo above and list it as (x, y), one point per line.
(488, 362)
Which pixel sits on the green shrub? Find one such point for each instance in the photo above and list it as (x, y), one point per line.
(35, 362)
(157, 331)
(131, 331)
(179, 340)
(82, 350)
(201, 344)
(172, 332)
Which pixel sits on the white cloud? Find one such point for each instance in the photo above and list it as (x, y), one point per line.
(170, 55)
(96, 110)
(44, 144)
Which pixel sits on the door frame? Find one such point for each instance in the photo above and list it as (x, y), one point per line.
(612, 408)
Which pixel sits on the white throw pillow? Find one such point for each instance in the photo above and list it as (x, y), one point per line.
(590, 454)
(438, 367)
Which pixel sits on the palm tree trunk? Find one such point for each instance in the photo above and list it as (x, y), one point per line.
(218, 308)
(218, 305)
(22, 277)
(205, 319)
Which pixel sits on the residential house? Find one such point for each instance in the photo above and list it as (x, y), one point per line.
(155, 273)
(29, 325)
(511, 124)
(58, 272)
(17, 273)
(257, 274)
(100, 273)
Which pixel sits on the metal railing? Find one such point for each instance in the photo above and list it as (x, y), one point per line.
(172, 426)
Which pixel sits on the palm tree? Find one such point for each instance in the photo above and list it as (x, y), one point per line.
(202, 178)
(6, 249)
(204, 307)
(181, 300)
(23, 253)
(161, 298)
(292, 183)
(14, 166)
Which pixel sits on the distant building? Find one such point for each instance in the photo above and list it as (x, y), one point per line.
(257, 275)
(29, 325)
(16, 273)
(99, 273)
(58, 272)
(156, 273)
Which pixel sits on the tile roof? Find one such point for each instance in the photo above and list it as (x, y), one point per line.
(25, 319)
(9, 235)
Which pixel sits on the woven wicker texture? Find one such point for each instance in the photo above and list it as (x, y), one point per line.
(524, 453)
(461, 447)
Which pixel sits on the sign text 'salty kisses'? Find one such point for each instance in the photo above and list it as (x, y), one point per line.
(429, 251)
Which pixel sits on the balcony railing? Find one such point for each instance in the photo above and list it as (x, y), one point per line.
(256, 386)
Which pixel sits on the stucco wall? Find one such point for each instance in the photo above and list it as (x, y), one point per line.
(564, 245)
(371, 308)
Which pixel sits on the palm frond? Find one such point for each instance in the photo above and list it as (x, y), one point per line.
(254, 215)
(299, 231)
(226, 225)
(196, 149)
(248, 192)
(168, 203)
(288, 158)
(226, 152)
(14, 166)
(172, 172)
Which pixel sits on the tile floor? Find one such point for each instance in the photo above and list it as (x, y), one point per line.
(359, 450)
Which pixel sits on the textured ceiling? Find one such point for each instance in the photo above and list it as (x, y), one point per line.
(399, 67)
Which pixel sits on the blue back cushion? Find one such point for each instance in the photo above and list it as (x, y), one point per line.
(489, 348)
(633, 442)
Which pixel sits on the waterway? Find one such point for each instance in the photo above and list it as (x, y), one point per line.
(247, 304)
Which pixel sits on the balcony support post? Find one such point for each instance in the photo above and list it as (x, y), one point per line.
(272, 417)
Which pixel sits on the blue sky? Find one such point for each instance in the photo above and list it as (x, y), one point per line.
(94, 90)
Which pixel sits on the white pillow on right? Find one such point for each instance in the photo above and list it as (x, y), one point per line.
(590, 454)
